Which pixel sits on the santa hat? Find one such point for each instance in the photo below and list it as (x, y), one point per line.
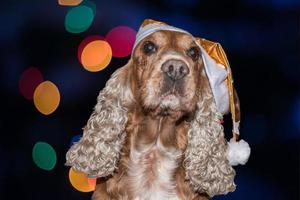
(220, 78)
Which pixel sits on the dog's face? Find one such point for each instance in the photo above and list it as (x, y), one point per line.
(167, 66)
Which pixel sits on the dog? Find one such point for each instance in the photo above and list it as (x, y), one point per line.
(156, 130)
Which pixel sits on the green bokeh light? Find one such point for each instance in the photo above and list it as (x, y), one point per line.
(44, 156)
(89, 4)
(79, 19)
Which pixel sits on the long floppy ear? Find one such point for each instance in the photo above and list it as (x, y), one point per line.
(98, 151)
(206, 164)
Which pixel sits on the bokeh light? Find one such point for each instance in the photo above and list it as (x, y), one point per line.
(29, 80)
(46, 97)
(69, 2)
(75, 139)
(81, 182)
(96, 55)
(79, 19)
(44, 156)
(121, 39)
(89, 4)
(92, 182)
(86, 41)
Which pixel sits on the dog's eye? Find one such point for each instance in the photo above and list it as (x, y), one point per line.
(149, 47)
(194, 53)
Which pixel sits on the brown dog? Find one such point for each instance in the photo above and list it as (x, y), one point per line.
(156, 132)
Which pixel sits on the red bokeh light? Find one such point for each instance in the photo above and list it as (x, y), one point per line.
(29, 80)
(121, 40)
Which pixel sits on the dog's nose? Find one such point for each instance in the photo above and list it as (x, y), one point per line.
(175, 69)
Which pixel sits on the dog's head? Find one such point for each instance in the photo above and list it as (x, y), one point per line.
(166, 75)
(167, 68)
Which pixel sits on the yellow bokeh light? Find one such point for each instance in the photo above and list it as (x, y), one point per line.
(46, 97)
(96, 55)
(80, 181)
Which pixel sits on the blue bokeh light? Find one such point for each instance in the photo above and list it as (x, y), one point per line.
(75, 139)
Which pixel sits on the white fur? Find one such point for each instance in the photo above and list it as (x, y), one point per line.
(170, 101)
(161, 187)
(238, 152)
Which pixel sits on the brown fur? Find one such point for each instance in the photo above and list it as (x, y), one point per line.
(145, 122)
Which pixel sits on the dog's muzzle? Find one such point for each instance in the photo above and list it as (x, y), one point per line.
(175, 69)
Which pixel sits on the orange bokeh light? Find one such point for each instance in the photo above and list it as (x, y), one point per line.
(86, 41)
(96, 55)
(80, 181)
(46, 97)
(69, 2)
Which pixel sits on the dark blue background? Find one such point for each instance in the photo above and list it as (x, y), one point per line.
(261, 39)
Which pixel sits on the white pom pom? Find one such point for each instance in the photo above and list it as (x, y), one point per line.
(238, 152)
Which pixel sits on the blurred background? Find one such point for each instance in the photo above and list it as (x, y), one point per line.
(49, 85)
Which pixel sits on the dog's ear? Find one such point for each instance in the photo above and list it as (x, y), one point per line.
(207, 167)
(206, 164)
(98, 151)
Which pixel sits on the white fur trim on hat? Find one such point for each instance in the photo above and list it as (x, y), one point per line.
(147, 30)
(238, 152)
(216, 73)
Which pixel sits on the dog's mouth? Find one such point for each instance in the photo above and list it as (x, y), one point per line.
(170, 100)
(168, 104)
(171, 97)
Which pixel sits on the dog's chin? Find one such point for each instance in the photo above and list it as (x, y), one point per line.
(170, 102)
(167, 106)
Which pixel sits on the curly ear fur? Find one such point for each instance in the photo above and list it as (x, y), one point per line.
(206, 164)
(98, 151)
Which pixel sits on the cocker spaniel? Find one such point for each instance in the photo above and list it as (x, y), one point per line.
(156, 131)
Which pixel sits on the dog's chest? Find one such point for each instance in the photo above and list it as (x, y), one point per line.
(151, 173)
